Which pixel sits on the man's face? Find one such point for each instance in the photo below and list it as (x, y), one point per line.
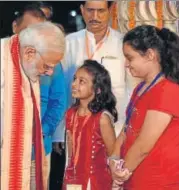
(48, 61)
(95, 15)
(27, 20)
(35, 63)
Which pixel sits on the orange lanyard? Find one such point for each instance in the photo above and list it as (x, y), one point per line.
(76, 146)
(90, 54)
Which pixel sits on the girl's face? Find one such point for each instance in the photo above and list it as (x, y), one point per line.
(82, 85)
(135, 62)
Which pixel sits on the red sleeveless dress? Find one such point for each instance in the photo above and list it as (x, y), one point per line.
(92, 160)
(160, 169)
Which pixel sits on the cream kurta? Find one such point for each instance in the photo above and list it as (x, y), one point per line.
(7, 86)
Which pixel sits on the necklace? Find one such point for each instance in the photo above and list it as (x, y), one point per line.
(76, 143)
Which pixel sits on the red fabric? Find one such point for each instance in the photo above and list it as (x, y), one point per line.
(160, 169)
(17, 137)
(18, 128)
(37, 145)
(88, 166)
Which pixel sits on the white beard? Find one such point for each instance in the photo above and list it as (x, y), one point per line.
(30, 70)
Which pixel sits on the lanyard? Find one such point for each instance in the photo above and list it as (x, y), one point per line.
(76, 146)
(134, 100)
(90, 54)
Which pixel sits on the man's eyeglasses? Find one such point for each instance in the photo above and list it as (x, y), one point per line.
(45, 65)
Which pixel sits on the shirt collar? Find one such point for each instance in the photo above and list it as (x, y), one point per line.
(91, 35)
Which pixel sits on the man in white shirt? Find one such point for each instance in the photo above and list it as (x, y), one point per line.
(99, 42)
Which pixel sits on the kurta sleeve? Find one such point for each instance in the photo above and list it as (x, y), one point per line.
(166, 99)
(56, 102)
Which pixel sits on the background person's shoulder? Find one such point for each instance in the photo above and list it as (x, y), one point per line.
(75, 35)
(117, 34)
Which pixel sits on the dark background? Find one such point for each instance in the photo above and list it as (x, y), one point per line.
(61, 11)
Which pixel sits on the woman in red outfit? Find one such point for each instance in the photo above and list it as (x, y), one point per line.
(149, 143)
(90, 131)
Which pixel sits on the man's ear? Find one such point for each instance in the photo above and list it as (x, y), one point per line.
(14, 27)
(29, 53)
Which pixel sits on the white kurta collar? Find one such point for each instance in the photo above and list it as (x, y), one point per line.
(91, 35)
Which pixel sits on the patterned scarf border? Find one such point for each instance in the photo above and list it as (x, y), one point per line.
(17, 134)
(17, 137)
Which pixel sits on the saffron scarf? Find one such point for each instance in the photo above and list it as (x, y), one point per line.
(20, 110)
(18, 113)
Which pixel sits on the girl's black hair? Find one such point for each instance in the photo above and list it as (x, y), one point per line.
(164, 41)
(104, 98)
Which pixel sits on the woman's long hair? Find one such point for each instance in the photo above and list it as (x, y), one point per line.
(104, 98)
(164, 41)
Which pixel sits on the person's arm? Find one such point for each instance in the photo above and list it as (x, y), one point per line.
(107, 132)
(117, 146)
(156, 121)
(116, 153)
(56, 102)
(154, 125)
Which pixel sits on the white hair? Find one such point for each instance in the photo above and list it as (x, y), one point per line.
(43, 37)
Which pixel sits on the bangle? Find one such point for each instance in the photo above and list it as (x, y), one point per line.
(112, 158)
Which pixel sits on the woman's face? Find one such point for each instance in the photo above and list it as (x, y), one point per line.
(135, 62)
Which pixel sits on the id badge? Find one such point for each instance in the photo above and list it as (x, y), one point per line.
(74, 187)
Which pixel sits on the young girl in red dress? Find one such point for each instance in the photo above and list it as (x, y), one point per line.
(90, 129)
(149, 144)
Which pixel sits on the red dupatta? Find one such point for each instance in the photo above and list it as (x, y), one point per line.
(17, 137)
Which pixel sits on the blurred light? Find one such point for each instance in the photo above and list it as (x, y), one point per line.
(73, 13)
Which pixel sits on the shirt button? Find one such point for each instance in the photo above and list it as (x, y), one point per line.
(92, 157)
(93, 137)
(91, 167)
(91, 172)
(93, 146)
(93, 152)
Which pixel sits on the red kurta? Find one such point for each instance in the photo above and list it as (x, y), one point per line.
(92, 160)
(160, 169)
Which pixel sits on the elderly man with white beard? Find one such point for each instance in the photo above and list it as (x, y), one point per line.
(24, 58)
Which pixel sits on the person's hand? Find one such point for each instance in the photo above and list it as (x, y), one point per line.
(121, 176)
(58, 147)
(115, 164)
(117, 186)
(112, 166)
(119, 173)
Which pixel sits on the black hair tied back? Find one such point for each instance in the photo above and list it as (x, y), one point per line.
(170, 59)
